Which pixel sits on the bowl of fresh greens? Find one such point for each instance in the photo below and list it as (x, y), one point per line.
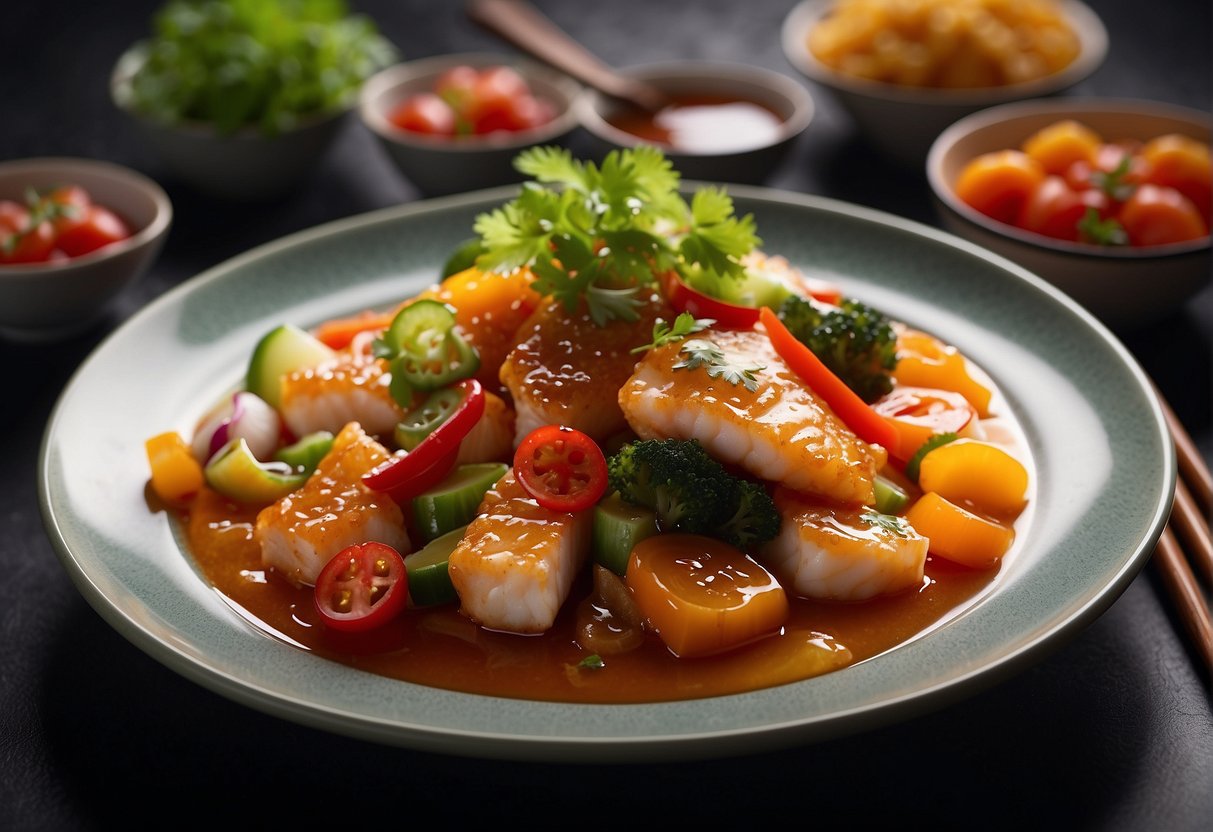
(242, 97)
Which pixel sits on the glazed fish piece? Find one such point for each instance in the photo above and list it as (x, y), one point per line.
(515, 565)
(302, 532)
(781, 431)
(353, 386)
(565, 368)
(492, 438)
(834, 553)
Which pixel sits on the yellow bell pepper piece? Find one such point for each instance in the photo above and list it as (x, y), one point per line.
(959, 535)
(176, 475)
(977, 473)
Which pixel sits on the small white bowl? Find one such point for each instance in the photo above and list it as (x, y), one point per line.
(1123, 286)
(245, 166)
(784, 96)
(49, 301)
(439, 165)
(899, 121)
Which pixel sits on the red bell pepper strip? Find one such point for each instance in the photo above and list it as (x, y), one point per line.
(726, 315)
(406, 475)
(866, 423)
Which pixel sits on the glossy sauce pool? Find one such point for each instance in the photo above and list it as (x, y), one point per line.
(440, 648)
(703, 124)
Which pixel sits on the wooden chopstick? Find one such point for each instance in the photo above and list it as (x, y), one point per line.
(1192, 468)
(1189, 521)
(1181, 583)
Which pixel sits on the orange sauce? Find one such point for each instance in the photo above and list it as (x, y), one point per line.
(438, 647)
(703, 124)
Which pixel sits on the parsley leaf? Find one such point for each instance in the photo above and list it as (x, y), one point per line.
(703, 353)
(598, 233)
(592, 662)
(889, 522)
(1104, 232)
(685, 324)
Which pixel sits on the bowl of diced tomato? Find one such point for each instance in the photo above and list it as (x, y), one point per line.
(74, 233)
(1108, 199)
(455, 123)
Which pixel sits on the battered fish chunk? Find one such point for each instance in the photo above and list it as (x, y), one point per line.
(781, 431)
(515, 565)
(565, 369)
(302, 532)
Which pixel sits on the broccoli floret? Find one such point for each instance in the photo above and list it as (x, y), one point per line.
(854, 340)
(691, 492)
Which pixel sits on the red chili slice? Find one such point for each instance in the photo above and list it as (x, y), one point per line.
(561, 468)
(727, 315)
(363, 587)
(406, 475)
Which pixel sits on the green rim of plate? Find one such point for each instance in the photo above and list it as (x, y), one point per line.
(1104, 459)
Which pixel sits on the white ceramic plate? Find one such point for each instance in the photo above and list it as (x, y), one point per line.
(1104, 461)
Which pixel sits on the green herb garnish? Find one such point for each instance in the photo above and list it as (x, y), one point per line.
(889, 522)
(1112, 182)
(266, 63)
(1104, 232)
(597, 234)
(703, 353)
(592, 662)
(931, 444)
(685, 324)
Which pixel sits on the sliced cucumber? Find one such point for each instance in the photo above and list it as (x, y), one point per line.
(890, 498)
(429, 580)
(234, 472)
(453, 502)
(618, 527)
(282, 350)
(306, 454)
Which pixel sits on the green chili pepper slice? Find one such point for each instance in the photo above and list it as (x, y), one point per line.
(450, 360)
(419, 327)
(424, 420)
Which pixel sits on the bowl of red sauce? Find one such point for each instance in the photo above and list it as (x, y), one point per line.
(455, 123)
(74, 234)
(721, 121)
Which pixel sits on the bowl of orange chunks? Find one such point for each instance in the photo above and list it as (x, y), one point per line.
(1107, 199)
(903, 70)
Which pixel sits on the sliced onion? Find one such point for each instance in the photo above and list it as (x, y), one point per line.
(247, 417)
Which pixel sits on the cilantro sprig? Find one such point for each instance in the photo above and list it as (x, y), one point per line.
(664, 333)
(703, 353)
(1105, 232)
(597, 234)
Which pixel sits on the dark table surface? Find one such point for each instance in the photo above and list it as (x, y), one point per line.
(1113, 730)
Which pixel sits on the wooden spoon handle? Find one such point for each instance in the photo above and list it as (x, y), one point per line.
(523, 25)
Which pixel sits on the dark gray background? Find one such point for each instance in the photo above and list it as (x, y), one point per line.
(1113, 731)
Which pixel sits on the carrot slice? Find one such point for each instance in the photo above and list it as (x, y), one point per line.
(866, 423)
(703, 596)
(959, 535)
(339, 332)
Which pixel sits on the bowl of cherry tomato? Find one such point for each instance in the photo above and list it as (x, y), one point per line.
(74, 233)
(455, 123)
(1108, 199)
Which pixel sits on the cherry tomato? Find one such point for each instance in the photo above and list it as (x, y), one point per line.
(363, 587)
(13, 216)
(561, 468)
(33, 245)
(457, 86)
(1061, 144)
(998, 184)
(1054, 209)
(98, 227)
(918, 413)
(1155, 216)
(425, 113)
(726, 315)
(495, 99)
(406, 475)
(73, 203)
(1184, 164)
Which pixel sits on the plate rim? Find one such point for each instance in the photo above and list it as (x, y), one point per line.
(698, 745)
